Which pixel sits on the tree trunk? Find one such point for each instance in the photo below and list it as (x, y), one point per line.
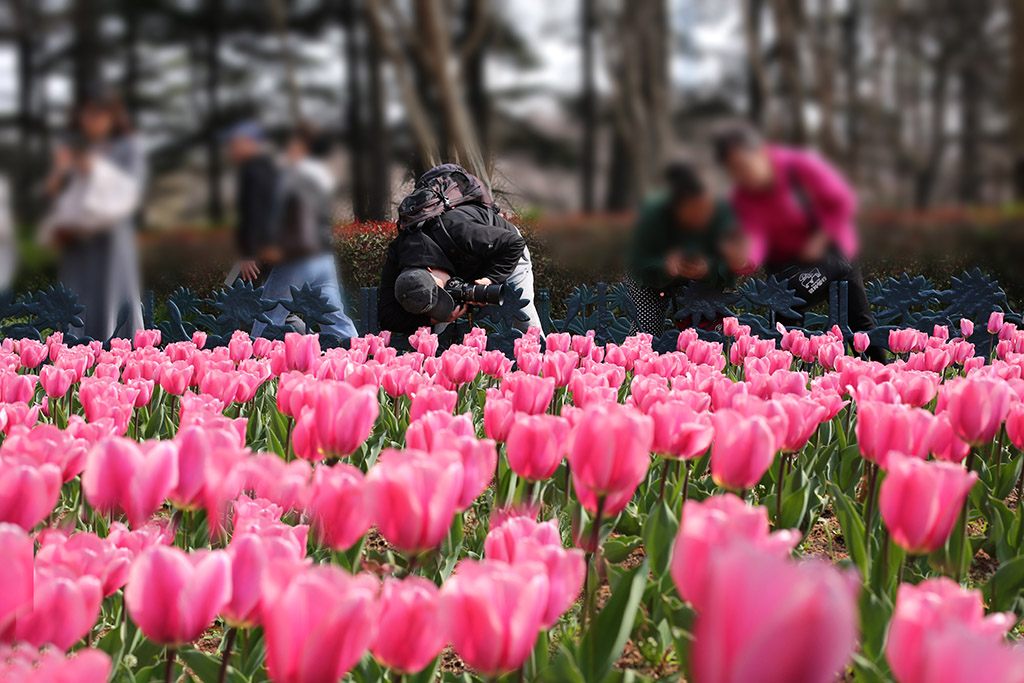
(214, 165)
(1016, 96)
(357, 142)
(86, 54)
(379, 157)
(474, 69)
(851, 26)
(786, 13)
(279, 14)
(588, 170)
(27, 115)
(971, 135)
(823, 43)
(752, 18)
(130, 81)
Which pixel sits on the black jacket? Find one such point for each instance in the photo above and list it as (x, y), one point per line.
(478, 244)
(256, 199)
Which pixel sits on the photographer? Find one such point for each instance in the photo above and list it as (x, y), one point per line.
(450, 238)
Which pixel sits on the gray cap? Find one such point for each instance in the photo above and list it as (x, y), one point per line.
(417, 292)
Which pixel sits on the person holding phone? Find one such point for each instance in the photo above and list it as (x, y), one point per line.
(683, 235)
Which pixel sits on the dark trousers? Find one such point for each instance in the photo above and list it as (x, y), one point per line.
(651, 308)
(811, 284)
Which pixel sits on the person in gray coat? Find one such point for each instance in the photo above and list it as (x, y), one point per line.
(98, 254)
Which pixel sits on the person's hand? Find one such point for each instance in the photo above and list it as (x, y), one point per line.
(690, 268)
(456, 314)
(484, 281)
(249, 271)
(815, 248)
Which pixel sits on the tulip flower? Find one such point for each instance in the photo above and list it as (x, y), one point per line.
(861, 342)
(173, 596)
(536, 445)
(520, 540)
(28, 490)
(528, 393)
(15, 573)
(995, 322)
(479, 459)
(86, 554)
(121, 476)
(742, 450)
(679, 431)
(483, 611)
(27, 665)
(301, 350)
(752, 598)
(610, 452)
(411, 496)
(920, 501)
(55, 381)
(884, 428)
(338, 515)
(409, 634)
(966, 327)
(976, 407)
(559, 366)
(925, 614)
(318, 624)
(712, 525)
(430, 398)
(251, 556)
(498, 416)
(64, 609)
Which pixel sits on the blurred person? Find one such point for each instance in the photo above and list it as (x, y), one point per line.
(798, 213)
(468, 243)
(682, 235)
(300, 248)
(97, 182)
(256, 186)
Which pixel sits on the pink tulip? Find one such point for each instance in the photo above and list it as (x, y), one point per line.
(976, 407)
(175, 377)
(436, 428)
(15, 573)
(1015, 425)
(679, 431)
(174, 596)
(518, 540)
(147, 338)
(924, 614)
(945, 445)
(430, 398)
(138, 541)
(240, 347)
(479, 459)
(341, 420)
(86, 554)
(31, 353)
(536, 445)
(495, 364)
(338, 515)
(251, 557)
(55, 382)
(529, 394)
(318, 624)
(207, 458)
(28, 490)
(483, 611)
(966, 328)
(27, 665)
(46, 443)
(301, 350)
(709, 527)
(459, 367)
(559, 366)
(409, 632)
(64, 609)
(753, 597)
(883, 428)
(610, 452)
(742, 451)
(498, 416)
(122, 476)
(15, 415)
(995, 322)
(861, 342)
(960, 655)
(15, 388)
(920, 501)
(411, 496)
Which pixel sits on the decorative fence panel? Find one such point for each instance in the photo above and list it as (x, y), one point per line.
(605, 309)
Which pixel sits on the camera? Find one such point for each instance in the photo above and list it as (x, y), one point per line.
(481, 295)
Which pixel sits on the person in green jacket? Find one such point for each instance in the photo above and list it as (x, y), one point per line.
(682, 235)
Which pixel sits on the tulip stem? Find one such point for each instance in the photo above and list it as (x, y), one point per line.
(169, 672)
(594, 552)
(686, 487)
(568, 477)
(964, 514)
(664, 478)
(229, 644)
(778, 492)
(869, 502)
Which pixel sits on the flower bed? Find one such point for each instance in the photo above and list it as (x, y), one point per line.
(741, 512)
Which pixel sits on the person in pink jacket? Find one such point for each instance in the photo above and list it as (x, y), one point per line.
(798, 214)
